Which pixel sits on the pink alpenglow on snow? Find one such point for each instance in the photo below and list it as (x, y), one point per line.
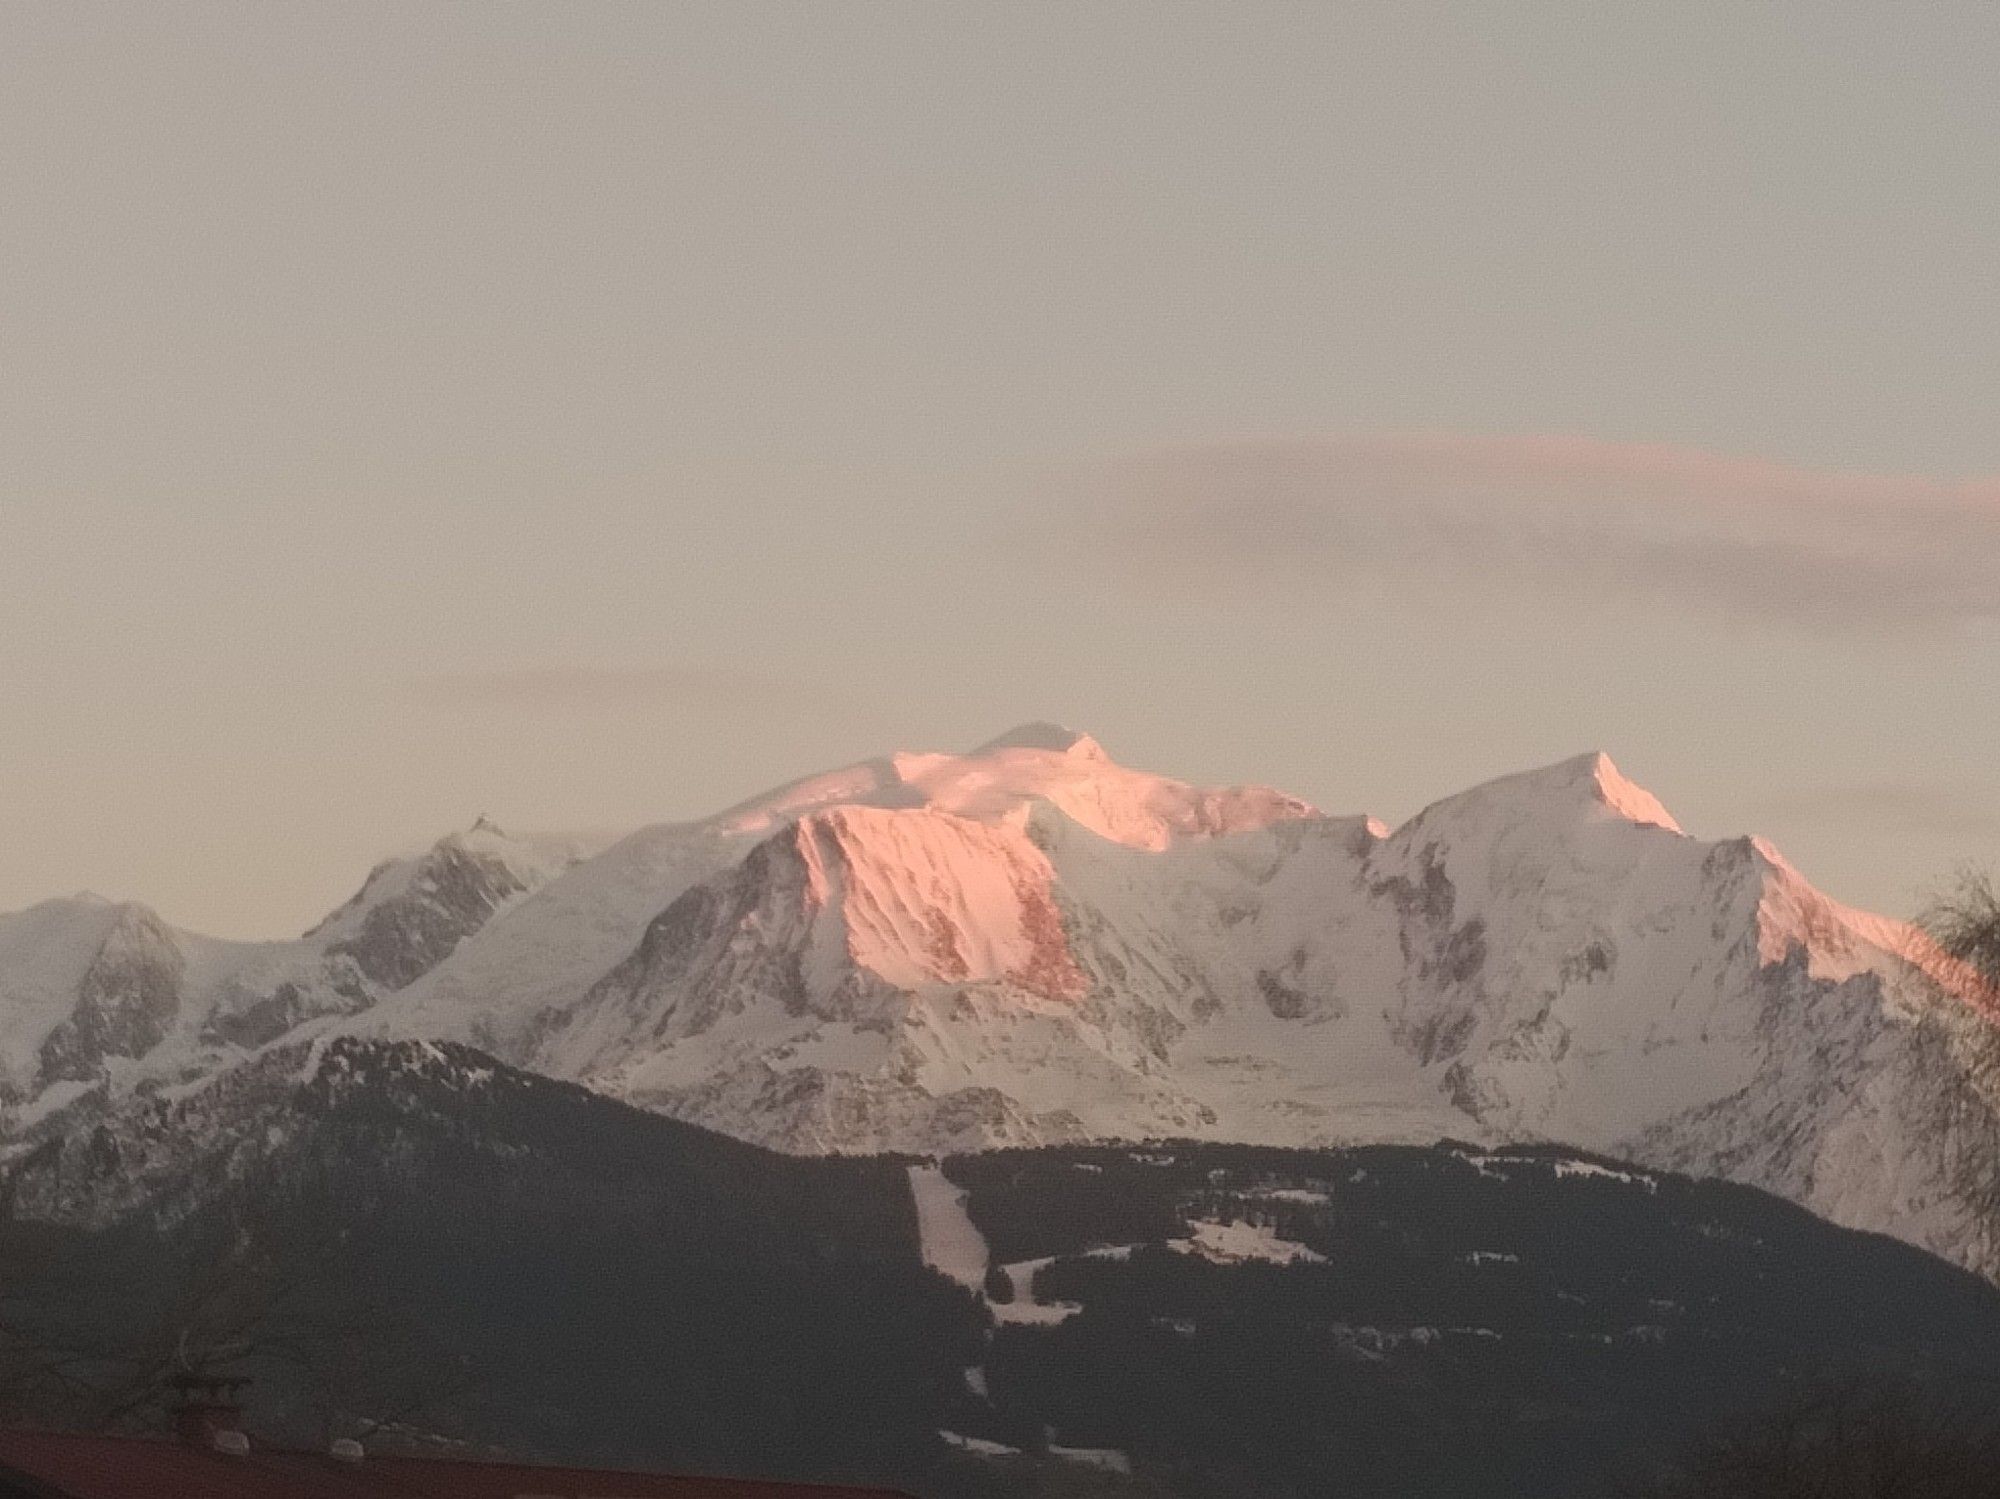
(1031, 943)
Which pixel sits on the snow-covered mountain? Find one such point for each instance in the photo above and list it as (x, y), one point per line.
(1031, 944)
(96, 993)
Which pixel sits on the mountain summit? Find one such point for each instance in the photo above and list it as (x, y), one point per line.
(1589, 781)
(1031, 943)
(1042, 735)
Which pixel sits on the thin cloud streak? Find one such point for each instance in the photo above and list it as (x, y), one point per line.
(574, 688)
(1678, 526)
(1887, 806)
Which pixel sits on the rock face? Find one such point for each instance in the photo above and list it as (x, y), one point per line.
(127, 999)
(94, 993)
(1031, 944)
(410, 915)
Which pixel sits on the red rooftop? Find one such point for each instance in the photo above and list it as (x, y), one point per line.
(53, 1465)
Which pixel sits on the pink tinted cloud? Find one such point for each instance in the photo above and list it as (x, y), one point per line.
(1819, 548)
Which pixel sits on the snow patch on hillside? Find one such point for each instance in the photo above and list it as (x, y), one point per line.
(1236, 1242)
(951, 1244)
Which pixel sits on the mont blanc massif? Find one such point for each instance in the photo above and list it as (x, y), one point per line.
(1016, 1122)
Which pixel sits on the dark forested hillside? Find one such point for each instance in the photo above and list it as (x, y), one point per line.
(1432, 1321)
(412, 1234)
(415, 1243)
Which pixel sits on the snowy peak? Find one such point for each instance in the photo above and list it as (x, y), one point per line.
(1627, 799)
(847, 917)
(1031, 942)
(1588, 782)
(1041, 763)
(95, 992)
(928, 897)
(128, 999)
(80, 980)
(1585, 788)
(842, 898)
(483, 853)
(411, 914)
(1052, 737)
(1002, 780)
(1026, 944)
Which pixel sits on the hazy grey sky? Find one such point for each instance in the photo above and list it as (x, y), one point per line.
(591, 414)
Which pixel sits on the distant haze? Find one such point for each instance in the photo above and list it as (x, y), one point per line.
(592, 415)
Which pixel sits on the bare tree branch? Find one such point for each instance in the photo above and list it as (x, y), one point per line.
(1964, 920)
